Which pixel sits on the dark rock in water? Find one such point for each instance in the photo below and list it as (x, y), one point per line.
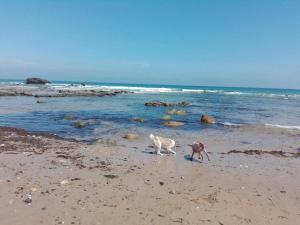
(208, 119)
(35, 80)
(40, 101)
(139, 120)
(184, 103)
(79, 124)
(167, 104)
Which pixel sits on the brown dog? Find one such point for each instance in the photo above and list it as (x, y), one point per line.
(198, 147)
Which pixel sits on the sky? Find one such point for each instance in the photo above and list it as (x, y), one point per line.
(205, 42)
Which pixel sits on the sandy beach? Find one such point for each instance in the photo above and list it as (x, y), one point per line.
(123, 183)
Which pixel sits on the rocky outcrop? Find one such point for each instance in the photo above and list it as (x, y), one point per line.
(208, 119)
(35, 80)
(166, 104)
(46, 91)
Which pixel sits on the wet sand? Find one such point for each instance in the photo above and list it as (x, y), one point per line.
(121, 182)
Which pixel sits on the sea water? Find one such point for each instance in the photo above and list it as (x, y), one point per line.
(231, 106)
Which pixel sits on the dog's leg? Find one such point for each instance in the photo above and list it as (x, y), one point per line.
(172, 151)
(158, 149)
(206, 155)
(192, 156)
(200, 155)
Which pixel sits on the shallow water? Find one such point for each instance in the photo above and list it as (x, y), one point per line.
(259, 108)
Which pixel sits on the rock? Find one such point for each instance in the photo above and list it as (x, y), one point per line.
(35, 80)
(171, 112)
(178, 112)
(40, 101)
(28, 200)
(166, 117)
(139, 120)
(173, 192)
(184, 103)
(173, 124)
(161, 183)
(111, 176)
(167, 104)
(208, 119)
(79, 124)
(91, 122)
(131, 136)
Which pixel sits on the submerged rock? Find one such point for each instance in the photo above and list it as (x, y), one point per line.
(35, 80)
(139, 120)
(166, 117)
(131, 136)
(178, 112)
(79, 124)
(68, 117)
(173, 124)
(40, 101)
(208, 119)
(167, 104)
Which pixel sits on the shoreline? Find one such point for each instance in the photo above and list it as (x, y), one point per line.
(103, 183)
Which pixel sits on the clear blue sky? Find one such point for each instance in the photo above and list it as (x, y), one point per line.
(225, 43)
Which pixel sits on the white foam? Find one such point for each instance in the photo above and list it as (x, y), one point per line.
(283, 126)
(230, 124)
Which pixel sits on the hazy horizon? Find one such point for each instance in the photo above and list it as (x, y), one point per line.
(198, 43)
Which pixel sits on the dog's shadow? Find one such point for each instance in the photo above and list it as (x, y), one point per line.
(188, 158)
(147, 152)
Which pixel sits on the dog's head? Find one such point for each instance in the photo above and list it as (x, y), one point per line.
(151, 136)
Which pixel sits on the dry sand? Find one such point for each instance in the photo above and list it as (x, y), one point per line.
(78, 183)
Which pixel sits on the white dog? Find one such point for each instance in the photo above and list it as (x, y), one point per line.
(161, 142)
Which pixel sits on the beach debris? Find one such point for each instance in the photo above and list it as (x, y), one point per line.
(207, 119)
(139, 120)
(63, 182)
(161, 183)
(167, 104)
(262, 152)
(166, 117)
(243, 166)
(28, 200)
(131, 136)
(173, 123)
(283, 192)
(2, 145)
(211, 198)
(68, 117)
(173, 192)
(111, 176)
(33, 189)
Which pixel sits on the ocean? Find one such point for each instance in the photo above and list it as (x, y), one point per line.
(231, 106)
